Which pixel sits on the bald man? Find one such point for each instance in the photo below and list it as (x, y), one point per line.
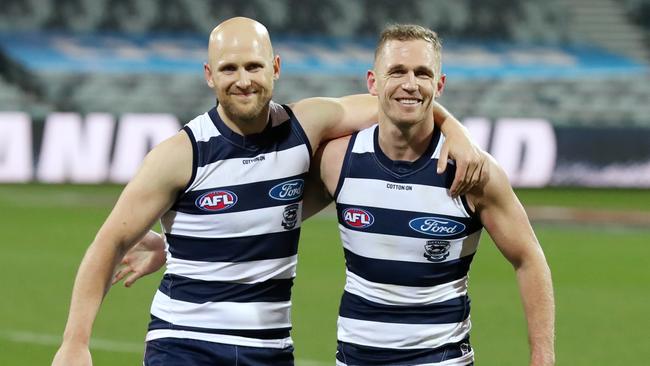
(228, 190)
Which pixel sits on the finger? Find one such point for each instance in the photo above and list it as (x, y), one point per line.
(461, 172)
(442, 159)
(485, 171)
(120, 274)
(477, 178)
(467, 184)
(132, 279)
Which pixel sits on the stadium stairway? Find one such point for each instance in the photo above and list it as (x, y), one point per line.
(604, 22)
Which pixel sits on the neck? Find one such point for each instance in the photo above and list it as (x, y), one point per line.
(245, 126)
(404, 142)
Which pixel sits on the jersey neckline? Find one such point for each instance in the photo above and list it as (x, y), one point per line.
(403, 167)
(254, 141)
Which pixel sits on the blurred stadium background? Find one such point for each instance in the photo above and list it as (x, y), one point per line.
(557, 90)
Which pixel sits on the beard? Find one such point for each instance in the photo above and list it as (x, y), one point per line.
(245, 112)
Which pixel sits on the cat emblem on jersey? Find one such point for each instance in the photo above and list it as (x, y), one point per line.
(436, 250)
(290, 216)
(465, 348)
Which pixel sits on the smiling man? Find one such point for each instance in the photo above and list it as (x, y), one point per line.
(231, 227)
(408, 255)
(408, 242)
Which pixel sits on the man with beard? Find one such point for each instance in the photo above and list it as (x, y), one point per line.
(228, 189)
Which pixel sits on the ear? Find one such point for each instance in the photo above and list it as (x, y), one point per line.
(276, 67)
(207, 73)
(371, 81)
(440, 86)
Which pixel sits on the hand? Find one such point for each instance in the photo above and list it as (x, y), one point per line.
(146, 257)
(471, 163)
(72, 355)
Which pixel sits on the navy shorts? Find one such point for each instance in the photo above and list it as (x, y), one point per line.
(191, 352)
(353, 354)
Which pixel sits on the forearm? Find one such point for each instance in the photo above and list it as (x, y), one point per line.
(447, 123)
(535, 286)
(91, 285)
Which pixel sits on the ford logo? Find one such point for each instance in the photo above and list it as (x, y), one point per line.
(287, 191)
(437, 226)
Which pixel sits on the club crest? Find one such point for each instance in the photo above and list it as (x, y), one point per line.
(436, 250)
(290, 216)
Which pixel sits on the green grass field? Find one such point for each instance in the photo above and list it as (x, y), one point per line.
(601, 277)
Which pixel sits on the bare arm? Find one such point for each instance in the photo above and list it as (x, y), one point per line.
(471, 161)
(329, 118)
(164, 172)
(316, 197)
(145, 257)
(505, 220)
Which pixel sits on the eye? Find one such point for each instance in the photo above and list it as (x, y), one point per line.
(397, 73)
(424, 74)
(228, 69)
(254, 67)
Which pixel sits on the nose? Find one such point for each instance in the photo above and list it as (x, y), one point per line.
(410, 83)
(243, 80)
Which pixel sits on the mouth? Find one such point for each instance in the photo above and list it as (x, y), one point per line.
(244, 94)
(409, 102)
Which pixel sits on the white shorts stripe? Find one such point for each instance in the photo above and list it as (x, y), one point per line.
(219, 338)
(400, 336)
(459, 361)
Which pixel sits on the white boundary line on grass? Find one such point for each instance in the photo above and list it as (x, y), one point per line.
(101, 344)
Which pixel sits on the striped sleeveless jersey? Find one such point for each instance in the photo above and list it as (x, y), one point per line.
(408, 247)
(232, 236)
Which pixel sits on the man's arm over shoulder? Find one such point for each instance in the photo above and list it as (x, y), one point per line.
(164, 173)
(504, 218)
(324, 175)
(328, 118)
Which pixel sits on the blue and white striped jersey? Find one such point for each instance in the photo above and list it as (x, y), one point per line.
(232, 236)
(408, 247)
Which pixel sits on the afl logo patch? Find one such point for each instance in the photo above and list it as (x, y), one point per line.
(357, 218)
(216, 201)
(287, 191)
(437, 226)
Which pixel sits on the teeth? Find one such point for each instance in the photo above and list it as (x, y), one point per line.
(408, 101)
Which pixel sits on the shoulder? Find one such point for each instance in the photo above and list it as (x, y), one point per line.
(495, 189)
(201, 127)
(317, 115)
(313, 110)
(171, 161)
(329, 159)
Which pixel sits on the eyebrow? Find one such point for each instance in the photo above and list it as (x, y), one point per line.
(400, 67)
(247, 64)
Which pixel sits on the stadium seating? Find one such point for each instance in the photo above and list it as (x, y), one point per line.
(593, 97)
